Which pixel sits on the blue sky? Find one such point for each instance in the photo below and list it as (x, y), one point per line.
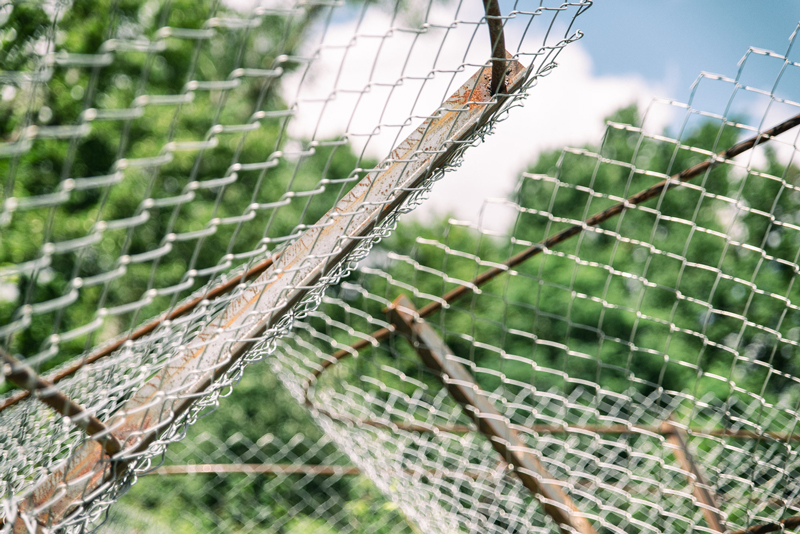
(672, 41)
(637, 50)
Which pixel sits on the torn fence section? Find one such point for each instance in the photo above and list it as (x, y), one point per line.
(266, 305)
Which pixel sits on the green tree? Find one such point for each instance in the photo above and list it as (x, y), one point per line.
(186, 195)
(196, 191)
(684, 293)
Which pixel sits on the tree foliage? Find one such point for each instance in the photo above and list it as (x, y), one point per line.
(690, 292)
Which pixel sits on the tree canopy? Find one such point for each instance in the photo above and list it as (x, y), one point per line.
(692, 291)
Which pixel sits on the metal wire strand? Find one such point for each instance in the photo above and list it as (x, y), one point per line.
(642, 196)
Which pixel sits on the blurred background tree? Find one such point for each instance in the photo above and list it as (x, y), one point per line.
(608, 309)
(142, 69)
(678, 299)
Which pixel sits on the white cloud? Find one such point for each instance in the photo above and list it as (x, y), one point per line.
(370, 76)
(566, 108)
(375, 79)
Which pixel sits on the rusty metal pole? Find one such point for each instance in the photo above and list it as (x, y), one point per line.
(257, 469)
(784, 525)
(494, 425)
(676, 437)
(268, 300)
(494, 20)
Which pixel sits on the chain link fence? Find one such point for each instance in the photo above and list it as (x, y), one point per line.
(188, 190)
(623, 358)
(211, 485)
(182, 181)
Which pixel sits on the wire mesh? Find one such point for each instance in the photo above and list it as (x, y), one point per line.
(165, 164)
(645, 366)
(210, 485)
(228, 474)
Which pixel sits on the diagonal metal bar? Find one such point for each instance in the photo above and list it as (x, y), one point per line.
(618, 429)
(438, 357)
(292, 469)
(784, 525)
(257, 469)
(23, 376)
(676, 437)
(536, 249)
(221, 289)
(268, 301)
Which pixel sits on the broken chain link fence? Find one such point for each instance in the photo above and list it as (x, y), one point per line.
(623, 358)
(182, 181)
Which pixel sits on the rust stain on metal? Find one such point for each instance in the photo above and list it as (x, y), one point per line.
(438, 357)
(269, 298)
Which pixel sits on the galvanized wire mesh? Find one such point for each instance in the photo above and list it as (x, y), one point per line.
(228, 475)
(208, 484)
(171, 160)
(643, 371)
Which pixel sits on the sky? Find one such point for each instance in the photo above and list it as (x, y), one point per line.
(631, 51)
(671, 41)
